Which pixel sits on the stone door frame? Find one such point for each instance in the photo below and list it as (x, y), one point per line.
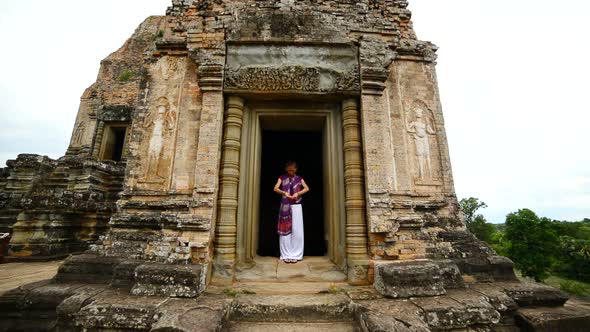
(345, 200)
(328, 117)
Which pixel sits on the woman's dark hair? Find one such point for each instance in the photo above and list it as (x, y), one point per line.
(291, 163)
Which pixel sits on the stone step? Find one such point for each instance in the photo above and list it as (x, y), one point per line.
(292, 327)
(310, 269)
(292, 308)
(283, 288)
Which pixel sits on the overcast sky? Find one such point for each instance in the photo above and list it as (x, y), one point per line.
(513, 76)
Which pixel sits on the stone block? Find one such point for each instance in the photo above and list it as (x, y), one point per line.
(381, 315)
(446, 313)
(73, 304)
(451, 276)
(124, 274)
(502, 268)
(528, 294)
(281, 308)
(564, 319)
(208, 313)
(115, 311)
(87, 268)
(497, 298)
(408, 279)
(167, 280)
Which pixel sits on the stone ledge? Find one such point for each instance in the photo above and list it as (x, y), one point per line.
(112, 310)
(528, 294)
(87, 268)
(281, 308)
(408, 279)
(155, 279)
(571, 317)
(462, 310)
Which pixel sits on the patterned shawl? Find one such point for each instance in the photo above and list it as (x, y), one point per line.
(290, 185)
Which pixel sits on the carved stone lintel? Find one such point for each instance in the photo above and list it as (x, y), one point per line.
(292, 79)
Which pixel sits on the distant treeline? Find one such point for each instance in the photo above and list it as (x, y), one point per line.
(538, 246)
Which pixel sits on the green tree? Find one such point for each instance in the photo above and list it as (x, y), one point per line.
(573, 259)
(532, 243)
(476, 223)
(499, 242)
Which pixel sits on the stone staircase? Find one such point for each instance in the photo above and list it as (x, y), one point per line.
(111, 294)
(323, 312)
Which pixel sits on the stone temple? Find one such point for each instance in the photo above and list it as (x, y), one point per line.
(163, 201)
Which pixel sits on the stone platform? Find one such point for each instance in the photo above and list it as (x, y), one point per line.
(13, 275)
(101, 305)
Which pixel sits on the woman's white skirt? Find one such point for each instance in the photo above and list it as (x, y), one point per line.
(292, 245)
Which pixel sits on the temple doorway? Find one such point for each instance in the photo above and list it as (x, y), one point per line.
(305, 148)
(272, 134)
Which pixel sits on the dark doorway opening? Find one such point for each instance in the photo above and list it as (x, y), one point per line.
(304, 147)
(114, 137)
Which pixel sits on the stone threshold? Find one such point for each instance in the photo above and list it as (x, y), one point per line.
(271, 269)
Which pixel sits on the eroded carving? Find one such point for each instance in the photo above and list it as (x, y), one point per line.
(79, 133)
(169, 68)
(420, 125)
(291, 78)
(162, 121)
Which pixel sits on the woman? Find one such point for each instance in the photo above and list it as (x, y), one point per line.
(290, 224)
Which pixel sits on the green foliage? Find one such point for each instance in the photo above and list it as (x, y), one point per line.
(578, 230)
(538, 246)
(125, 76)
(476, 223)
(573, 261)
(499, 243)
(574, 287)
(481, 229)
(532, 243)
(469, 206)
(160, 34)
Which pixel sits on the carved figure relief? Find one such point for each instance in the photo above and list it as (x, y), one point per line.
(420, 126)
(162, 121)
(169, 68)
(79, 133)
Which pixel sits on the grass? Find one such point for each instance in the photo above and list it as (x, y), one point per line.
(126, 75)
(233, 292)
(333, 289)
(569, 286)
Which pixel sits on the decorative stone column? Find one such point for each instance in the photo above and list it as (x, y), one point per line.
(227, 205)
(356, 226)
